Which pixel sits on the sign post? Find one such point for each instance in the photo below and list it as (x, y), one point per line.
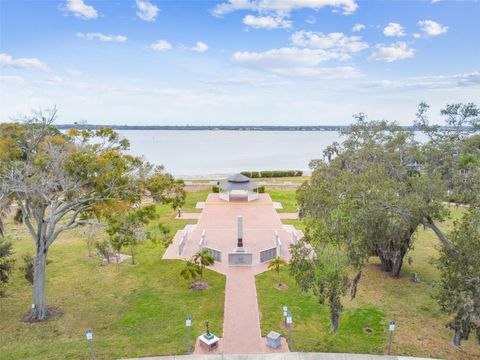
(391, 329)
(289, 324)
(285, 313)
(89, 335)
(188, 323)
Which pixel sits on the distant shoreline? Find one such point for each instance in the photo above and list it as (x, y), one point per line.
(215, 128)
(207, 127)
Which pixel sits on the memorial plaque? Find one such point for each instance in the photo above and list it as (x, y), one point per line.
(240, 258)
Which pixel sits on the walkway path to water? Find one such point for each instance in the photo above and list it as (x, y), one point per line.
(217, 226)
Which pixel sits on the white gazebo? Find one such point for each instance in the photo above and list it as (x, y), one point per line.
(239, 187)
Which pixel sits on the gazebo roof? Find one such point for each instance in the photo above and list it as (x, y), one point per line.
(238, 178)
(238, 182)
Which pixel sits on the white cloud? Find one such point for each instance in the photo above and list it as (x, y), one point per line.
(432, 28)
(53, 81)
(283, 6)
(255, 81)
(285, 58)
(319, 73)
(102, 37)
(417, 35)
(435, 82)
(293, 62)
(394, 29)
(267, 22)
(161, 45)
(12, 80)
(311, 20)
(392, 52)
(80, 9)
(200, 47)
(146, 10)
(23, 63)
(358, 27)
(334, 41)
(435, 1)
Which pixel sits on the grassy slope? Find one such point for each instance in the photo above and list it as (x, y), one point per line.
(133, 311)
(193, 198)
(287, 198)
(420, 324)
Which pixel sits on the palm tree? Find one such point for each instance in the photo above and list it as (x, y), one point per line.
(203, 258)
(190, 271)
(275, 264)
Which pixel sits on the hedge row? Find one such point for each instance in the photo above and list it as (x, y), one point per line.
(272, 173)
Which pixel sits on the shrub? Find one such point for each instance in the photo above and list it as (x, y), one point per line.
(261, 189)
(215, 189)
(6, 263)
(28, 268)
(272, 173)
(103, 248)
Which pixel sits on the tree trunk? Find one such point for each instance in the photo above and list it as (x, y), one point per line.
(397, 264)
(334, 320)
(90, 247)
(133, 254)
(39, 310)
(355, 281)
(457, 338)
(386, 263)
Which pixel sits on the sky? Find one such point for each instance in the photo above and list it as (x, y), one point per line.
(236, 62)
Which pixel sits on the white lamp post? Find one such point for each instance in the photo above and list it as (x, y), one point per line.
(391, 329)
(188, 324)
(89, 335)
(289, 324)
(285, 313)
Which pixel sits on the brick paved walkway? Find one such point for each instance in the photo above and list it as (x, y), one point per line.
(241, 324)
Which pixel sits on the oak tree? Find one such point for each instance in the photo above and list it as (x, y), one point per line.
(55, 178)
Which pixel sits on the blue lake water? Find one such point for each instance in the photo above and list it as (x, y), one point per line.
(193, 154)
(208, 153)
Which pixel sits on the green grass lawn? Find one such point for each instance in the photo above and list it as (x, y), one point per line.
(140, 310)
(193, 198)
(132, 310)
(311, 330)
(420, 327)
(286, 197)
